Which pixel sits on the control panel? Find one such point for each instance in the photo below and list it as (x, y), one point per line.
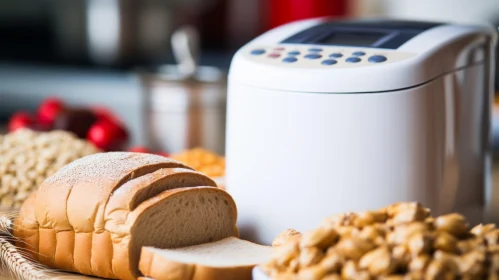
(309, 56)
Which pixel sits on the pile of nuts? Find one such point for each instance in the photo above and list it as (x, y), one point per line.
(28, 157)
(203, 161)
(401, 241)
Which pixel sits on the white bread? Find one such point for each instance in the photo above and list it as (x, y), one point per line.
(81, 219)
(229, 258)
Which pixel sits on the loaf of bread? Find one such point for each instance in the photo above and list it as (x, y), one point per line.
(227, 259)
(94, 215)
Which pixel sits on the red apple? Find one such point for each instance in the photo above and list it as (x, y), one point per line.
(104, 113)
(107, 136)
(76, 120)
(48, 111)
(139, 149)
(20, 120)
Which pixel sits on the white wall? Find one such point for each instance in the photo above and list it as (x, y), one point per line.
(466, 11)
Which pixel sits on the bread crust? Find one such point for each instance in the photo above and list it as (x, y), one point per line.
(26, 229)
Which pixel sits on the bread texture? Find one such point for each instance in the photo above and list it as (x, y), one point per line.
(95, 214)
(229, 258)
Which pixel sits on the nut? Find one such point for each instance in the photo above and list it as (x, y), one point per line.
(378, 262)
(441, 269)
(403, 232)
(482, 229)
(420, 243)
(351, 271)
(346, 219)
(419, 263)
(332, 262)
(310, 256)
(353, 248)
(285, 253)
(399, 242)
(368, 218)
(467, 245)
(345, 231)
(285, 236)
(285, 276)
(454, 224)
(332, 277)
(312, 273)
(492, 237)
(372, 233)
(446, 242)
(391, 277)
(321, 237)
(407, 212)
(472, 264)
(401, 255)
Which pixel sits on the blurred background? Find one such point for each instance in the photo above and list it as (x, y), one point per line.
(159, 66)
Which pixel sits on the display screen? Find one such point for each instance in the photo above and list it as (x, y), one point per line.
(358, 39)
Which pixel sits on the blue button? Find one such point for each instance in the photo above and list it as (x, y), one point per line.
(358, 53)
(313, 56)
(315, 50)
(353, 59)
(294, 53)
(377, 58)
(289, 59)
(328, 62)
(257, 52)
(336, 55)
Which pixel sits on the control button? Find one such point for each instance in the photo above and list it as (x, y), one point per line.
(358, 53)
(294, 53)
(257, 52)
(377, 58)
(315, 50)
(313, 56)
(279, 49)
(274, 55)
(336, 55)
(329, 62)
(353, 59)
(289, 59)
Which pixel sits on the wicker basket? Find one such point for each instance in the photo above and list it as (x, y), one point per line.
(14, 265)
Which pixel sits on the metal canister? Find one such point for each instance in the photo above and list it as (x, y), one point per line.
(185, 103)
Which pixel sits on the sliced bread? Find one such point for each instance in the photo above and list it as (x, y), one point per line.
(94, 215)
(229, 258)
(172, 219)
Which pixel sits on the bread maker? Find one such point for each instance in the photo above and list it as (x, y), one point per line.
(328, 116)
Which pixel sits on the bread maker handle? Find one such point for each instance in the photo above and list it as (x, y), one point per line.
(450, 181)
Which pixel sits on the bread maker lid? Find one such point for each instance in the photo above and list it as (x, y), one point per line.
(374, 55)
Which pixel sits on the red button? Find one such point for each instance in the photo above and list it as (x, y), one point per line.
(274, 55)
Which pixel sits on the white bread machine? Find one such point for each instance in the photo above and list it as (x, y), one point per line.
(332, 116)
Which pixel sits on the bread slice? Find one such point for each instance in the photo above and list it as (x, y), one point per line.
(175, 218)
(227, 259)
